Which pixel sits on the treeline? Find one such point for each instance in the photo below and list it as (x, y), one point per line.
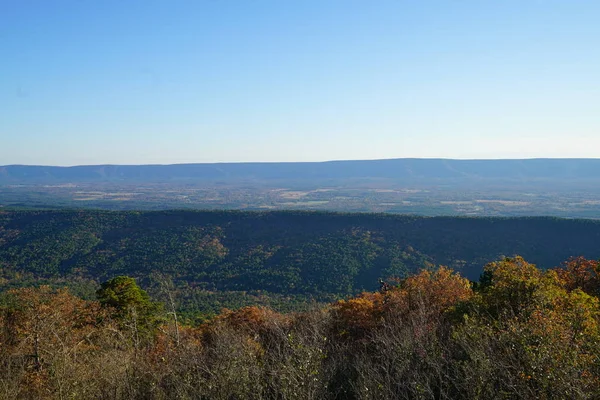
(518, 333)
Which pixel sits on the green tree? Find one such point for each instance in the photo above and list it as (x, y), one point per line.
(133, 307)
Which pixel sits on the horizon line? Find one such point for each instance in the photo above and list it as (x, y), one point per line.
(301, 162)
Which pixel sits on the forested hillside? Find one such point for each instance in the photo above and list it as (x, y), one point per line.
(271, 254)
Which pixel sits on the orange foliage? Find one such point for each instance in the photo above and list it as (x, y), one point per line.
(580, 273)
(55, 315)
(359, 315)
(428, 293)
(48, 329)
(251, 319)
(437, 291)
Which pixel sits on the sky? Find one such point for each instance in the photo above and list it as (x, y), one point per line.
(174, 81)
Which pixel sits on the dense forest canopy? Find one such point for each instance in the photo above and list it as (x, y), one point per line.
(233, 258)
(191, 244)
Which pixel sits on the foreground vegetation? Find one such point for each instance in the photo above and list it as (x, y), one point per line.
(519, 332)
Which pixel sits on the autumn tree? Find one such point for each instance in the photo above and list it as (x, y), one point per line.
(48, 333)
(529, 334)
(580, 273)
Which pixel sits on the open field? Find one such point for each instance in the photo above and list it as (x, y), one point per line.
(389, 197)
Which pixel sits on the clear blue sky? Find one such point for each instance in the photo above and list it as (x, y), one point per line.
(103, 81)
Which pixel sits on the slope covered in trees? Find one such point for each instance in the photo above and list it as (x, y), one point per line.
(279, 251)
(226, 256)
(519, 333)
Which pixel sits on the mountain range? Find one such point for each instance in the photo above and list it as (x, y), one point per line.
(402, 169)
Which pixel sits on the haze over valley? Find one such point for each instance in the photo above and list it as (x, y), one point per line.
(553, 187)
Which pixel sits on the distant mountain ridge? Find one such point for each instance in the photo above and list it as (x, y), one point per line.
(398, 169)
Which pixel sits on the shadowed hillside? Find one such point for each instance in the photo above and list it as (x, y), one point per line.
(282, 252)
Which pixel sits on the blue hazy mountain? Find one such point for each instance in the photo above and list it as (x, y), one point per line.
(409, 169)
